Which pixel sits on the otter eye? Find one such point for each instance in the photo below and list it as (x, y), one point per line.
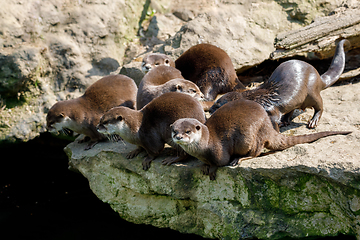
(61, 115)
(193, 90)
(188, 132)
(119, 118)
(197, 127)
(157, 64)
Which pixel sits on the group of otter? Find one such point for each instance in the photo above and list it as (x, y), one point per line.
(168, 107)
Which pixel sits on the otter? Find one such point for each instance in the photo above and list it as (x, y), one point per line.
(149, 128)
(210, 68)
(153, 60)
(237, 131)
(164, 79)
(82, 114)
(293, 85)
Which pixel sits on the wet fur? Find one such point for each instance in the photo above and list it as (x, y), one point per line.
(82, 114)
(293, 85)
(239, 130)
(164, 79)
(149, 128)
(210, 68)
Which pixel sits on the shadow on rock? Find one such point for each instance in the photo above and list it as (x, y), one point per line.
(103, 67)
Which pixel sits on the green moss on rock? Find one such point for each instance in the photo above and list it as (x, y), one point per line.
(242, 203)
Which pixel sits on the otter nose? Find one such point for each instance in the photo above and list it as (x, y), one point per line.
(178, 137)
(100, 127)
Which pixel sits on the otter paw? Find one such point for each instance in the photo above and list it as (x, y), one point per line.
(134, 153)
(169, 160)
(212, 176)
(234, 162)
(205, 169)
(146, 164)
(312, 123)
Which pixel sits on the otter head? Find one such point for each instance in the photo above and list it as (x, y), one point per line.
(186, 132)
(116, 122)
(154, 60)
(57, 119)
(187, 87)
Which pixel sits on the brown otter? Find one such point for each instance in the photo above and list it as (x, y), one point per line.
(82, 114)
(210, 68)
(293, 85)
(153, 60)
(164, 79)
(237, 131)
(149, 128)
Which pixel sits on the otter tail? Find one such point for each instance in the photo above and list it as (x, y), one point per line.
(286, 141)
(337, 65)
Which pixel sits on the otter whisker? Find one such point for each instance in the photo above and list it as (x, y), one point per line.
(66, 131)
(108, 136)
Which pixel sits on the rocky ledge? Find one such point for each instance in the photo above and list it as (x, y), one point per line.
(307, 190)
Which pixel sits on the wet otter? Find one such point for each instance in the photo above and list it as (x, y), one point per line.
(164, 79)
(210, 68)
(237, 131)
(293, 85)
(82, 114)
(149, 128)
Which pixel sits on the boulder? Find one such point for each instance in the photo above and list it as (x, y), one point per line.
(309, 190)
(246, 30)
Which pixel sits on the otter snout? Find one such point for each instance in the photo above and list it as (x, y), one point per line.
(146, 68)
(49, 128)
(101, 128)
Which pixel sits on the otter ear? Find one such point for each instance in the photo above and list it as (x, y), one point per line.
(167, 61)
(198, 127)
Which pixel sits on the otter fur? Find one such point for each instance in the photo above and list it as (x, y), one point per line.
(153, 60)
(237, 131)
(210, 68)
(293, 85)
(149, 127)
(164, 79)
(82, 114)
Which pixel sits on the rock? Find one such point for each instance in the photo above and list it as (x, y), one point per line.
(133, 70)
(184, 14)
(309, 190)
(17, 69)
(245, 32)
(53, 51)
(162, 26)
